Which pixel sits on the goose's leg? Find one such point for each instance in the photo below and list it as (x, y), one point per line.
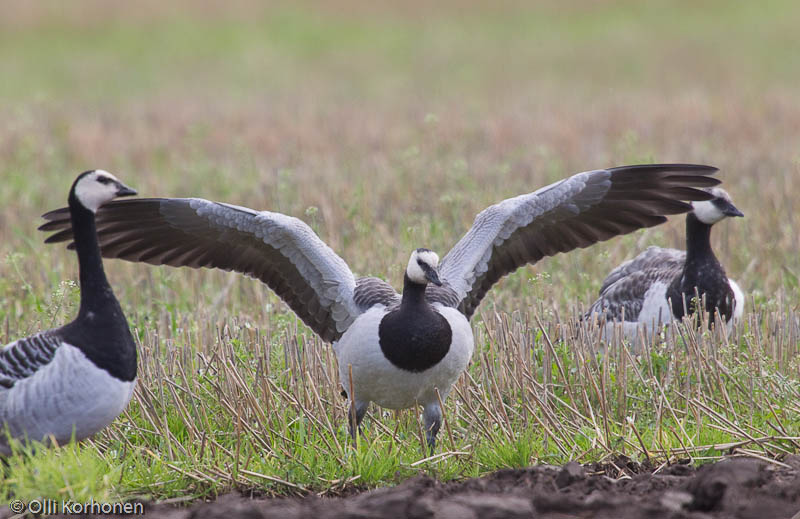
(432, 416)
(354, 416)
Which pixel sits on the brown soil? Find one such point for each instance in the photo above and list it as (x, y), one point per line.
(733, 488)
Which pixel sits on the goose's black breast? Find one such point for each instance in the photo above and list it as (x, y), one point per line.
(105, 338)
(414, 341)
(710, 283)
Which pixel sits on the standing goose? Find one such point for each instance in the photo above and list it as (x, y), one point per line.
(78, 378)
(660, 285)
(399, 349)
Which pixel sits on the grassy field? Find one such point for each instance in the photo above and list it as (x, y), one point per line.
(388, 128)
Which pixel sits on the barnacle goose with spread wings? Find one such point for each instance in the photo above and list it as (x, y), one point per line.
(660, 285)
(78, 378)
(399, 349)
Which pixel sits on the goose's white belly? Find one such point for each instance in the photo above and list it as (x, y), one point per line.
(738, 304)
(655, 313)
(68, 394)
(375, 379)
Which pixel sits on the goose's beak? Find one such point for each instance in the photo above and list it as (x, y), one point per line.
(123, 190)
(432, 276)
(731, 210)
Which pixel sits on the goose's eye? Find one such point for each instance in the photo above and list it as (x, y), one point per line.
(104, 180)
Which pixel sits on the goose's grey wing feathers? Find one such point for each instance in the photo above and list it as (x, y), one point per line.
(372, 291)
(442, 294)
(626, 296)
(667, 260)
(576, 212)
(282, 251)
(22, 358)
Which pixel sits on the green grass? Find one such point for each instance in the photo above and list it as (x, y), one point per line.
(387, 129)
(230, 407)
(69, 473)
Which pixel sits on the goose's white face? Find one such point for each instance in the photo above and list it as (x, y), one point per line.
(98, 187)
(422, 267)
(711, 211)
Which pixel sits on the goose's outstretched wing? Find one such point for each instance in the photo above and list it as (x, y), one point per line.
(24, 357)
(575, 212)
(280, 250)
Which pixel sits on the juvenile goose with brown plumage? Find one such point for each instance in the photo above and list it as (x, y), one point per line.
(399, 349)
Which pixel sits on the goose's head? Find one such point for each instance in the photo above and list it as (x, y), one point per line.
(94, 188)
(711, 211)
(423, 267)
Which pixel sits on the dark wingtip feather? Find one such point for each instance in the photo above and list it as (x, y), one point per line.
(690, 193)
(699, 169)
(690, 180)
(55, 225)
(683, 181)
(675, 207)
(56, 214)
(62, 235)
(686, 175)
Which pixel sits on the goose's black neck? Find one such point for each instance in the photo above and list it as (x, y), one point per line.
(95, 290)
(702, 275)
(698, 241)
(100, 331)
(414, 337)
(414, 296)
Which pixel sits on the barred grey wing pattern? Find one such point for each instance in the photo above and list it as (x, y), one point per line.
(626, 296)
(652, 257)
(372, 291)
(22, 358)
(443, 295)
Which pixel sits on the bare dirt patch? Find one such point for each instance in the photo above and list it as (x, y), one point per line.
(733, 488)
